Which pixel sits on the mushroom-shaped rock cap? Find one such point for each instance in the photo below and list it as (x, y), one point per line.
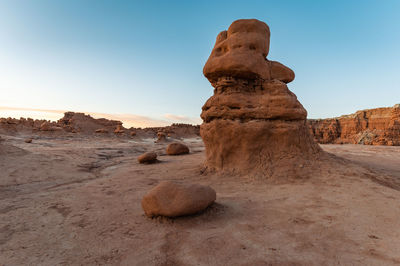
(241, 52)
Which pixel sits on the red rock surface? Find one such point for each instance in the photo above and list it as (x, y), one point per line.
(148, 157)
(86, 124)
(174, 199)
(177, 148)
(380, 126)
(253, 123)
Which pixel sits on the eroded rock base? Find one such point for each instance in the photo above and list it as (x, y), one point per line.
(260, 148)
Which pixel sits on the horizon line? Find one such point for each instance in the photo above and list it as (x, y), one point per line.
(128, 120)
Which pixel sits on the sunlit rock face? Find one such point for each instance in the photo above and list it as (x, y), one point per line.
(379, 126)
(241, 52)
(253, 123)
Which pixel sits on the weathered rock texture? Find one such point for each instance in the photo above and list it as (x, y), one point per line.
(82, 124)
(86, 124)
(172, 199)
(380, 126)
(161, 136)
(148, 157)
(177, 148)
(252, 123)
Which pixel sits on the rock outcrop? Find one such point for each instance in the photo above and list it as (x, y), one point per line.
(83, 124)
(173, 199)
(49, 126)
(253, 123)
(86, 124)
(380, 126)
(176, 130)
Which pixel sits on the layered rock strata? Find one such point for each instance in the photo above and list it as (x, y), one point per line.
(253, 123)
(380, 126)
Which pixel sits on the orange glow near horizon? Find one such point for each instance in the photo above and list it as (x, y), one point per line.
(128, 120)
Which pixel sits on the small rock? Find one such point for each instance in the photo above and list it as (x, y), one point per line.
(119, 130)
(172, 199)
(28, 140)
(148, 157)
(101, 130)
(133, 133)
(177, 148)
(161, 136)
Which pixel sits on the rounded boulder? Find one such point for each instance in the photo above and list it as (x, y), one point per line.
(148, 157)
(172, 199)
(177, 148)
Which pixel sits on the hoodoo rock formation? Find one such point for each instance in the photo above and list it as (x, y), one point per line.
(253, 123)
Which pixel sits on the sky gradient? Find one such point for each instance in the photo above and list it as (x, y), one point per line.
(143, 59)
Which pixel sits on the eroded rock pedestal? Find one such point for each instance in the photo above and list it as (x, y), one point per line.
(253, 123)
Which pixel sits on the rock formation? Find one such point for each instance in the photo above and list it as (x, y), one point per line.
(148, 157)
(380, 126)
(177, 130)
(48, 126)
(86, 124)
(177, 148)
(172, 199)
(252, 123)
(119, 129)
(83, 124)
(161, 136)
(101, 130)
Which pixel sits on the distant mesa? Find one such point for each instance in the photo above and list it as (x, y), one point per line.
(379, 126)
(83, 124)
(253, 123)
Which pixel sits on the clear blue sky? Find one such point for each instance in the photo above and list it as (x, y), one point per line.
(146, 57)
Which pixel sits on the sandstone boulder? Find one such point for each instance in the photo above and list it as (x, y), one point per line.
(172, 199)
(28, 140)
(161, 136)
(148, 157)
(177, 148)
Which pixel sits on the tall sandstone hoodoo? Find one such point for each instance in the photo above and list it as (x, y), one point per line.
(253, 123)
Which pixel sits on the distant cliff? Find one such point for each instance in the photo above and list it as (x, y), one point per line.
(82, 124)
(380, 126)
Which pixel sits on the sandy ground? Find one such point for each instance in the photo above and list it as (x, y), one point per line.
(71, 201)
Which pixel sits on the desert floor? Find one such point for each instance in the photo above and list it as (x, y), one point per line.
(76, 201)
